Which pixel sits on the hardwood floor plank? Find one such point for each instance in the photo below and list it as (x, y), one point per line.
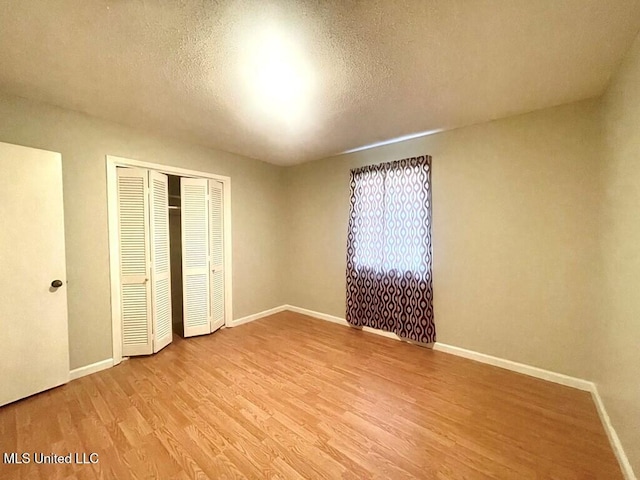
(290, 397)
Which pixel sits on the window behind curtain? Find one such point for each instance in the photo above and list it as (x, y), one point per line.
(389, 283)
(391, 218)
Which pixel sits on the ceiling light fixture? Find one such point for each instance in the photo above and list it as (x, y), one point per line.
(278, 77)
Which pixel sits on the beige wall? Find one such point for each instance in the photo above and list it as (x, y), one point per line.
(536, 232)
(515, 234)
(618, 354)
(84, 141)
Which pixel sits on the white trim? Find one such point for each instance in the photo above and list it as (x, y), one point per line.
(89, 369)
(257, 316)
(342, 321)
(382, 333)
(321, 316)
(228, 255)
(525, 369)
(114, 255)
(114, 262)
(616, 445)
(181, 172)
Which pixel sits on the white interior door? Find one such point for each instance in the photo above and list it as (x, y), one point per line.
(133, 231)
(216, 251)
(160, 265)
(195, 256)
(33, 312)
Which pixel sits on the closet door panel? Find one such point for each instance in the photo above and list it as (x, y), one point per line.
(216, 249)
(195, 256)
(160, 266)
(133, 214)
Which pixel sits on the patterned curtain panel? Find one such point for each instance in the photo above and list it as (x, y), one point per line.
(389, 255)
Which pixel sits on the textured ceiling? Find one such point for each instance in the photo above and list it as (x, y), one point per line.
(372, 70)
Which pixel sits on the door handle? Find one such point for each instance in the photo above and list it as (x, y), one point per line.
(56, 283)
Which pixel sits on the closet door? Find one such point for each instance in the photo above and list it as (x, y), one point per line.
(216, 250)
(133, 229)
(160, 265)
(195, 256)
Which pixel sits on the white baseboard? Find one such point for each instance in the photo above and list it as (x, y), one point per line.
(108, 363)
(523, 368)
(256, 316)
(89, 369)
(382, 333)
(321, 316)
(623, 460)
(339, 321)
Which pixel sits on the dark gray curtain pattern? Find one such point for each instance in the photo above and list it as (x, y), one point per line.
(389, 254)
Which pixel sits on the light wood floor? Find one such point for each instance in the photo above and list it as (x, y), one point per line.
(293, 397)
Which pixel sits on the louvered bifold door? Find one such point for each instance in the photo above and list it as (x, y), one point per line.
(160, 261)
(216, 253)
(133, 231)
(195, 256)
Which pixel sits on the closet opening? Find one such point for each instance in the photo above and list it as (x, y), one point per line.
(175, 248)
(170, 254)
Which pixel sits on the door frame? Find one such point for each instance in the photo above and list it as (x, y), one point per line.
(112, 162)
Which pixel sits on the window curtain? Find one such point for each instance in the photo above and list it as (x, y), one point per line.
(389, 254)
